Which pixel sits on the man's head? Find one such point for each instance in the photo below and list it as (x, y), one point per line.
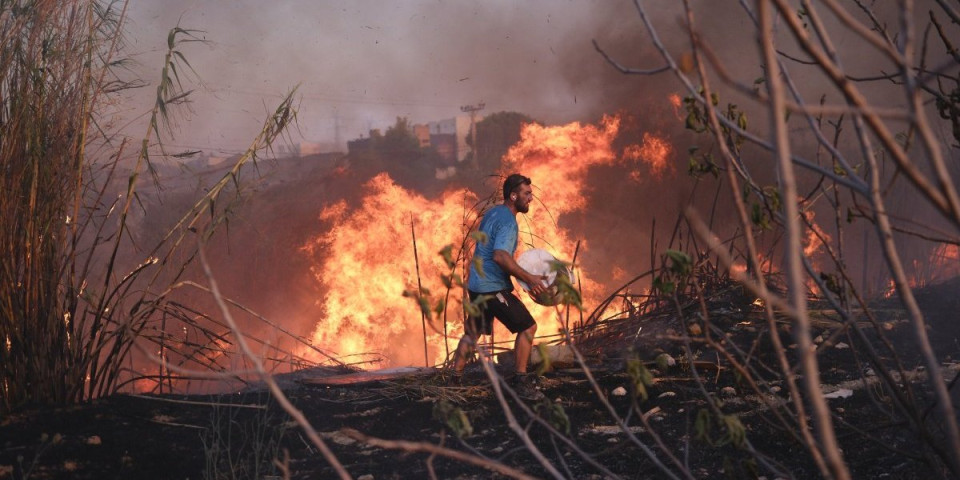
(517, 192)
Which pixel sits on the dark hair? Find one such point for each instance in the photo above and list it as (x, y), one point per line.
(512, 182)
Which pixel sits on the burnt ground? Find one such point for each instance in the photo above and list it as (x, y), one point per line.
(238, 435)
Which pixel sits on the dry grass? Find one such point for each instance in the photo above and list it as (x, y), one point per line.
(74, 308)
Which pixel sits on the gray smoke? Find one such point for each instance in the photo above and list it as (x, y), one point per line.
(360, 65)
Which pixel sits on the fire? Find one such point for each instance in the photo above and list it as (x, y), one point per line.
(557, 159)
(368, 262)
(655, 152)
(816, 237)
(619, 273)
(943, 262)
(677, 102)
(365, 261)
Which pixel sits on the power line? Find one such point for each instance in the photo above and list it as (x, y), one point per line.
(337, 99)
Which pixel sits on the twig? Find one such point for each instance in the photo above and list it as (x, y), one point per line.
(266, 377)
(193, 402)
(423, 447)
(423, 315)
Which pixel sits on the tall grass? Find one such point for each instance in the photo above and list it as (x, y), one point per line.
(74, 307)
(52, 64)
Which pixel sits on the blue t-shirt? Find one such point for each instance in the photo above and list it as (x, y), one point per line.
(500, 225)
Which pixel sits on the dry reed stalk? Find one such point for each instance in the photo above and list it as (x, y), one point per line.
(71, 311)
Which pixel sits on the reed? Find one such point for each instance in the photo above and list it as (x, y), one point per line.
(74, 308)
(52, 63)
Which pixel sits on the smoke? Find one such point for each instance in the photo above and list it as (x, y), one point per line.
(360, 65)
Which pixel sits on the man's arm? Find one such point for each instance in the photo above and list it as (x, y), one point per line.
(509, 265)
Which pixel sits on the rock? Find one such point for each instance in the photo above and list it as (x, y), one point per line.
(338, 437)
(840, 393)
(728, 392)
(664, 360)
(611, 430)
(619, 392)
(818, 340)
(841, 346)
(94, 440)
(559, 355)
(695, 329)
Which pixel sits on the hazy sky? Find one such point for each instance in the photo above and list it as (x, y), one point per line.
(360, 64)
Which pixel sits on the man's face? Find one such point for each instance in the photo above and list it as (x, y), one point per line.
(524, 198)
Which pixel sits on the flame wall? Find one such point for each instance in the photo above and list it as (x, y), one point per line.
(365, 261)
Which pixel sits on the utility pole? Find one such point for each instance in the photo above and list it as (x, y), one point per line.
(472, 110)
(336, 127)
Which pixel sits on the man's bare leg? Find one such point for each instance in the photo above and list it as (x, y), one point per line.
(522, 347)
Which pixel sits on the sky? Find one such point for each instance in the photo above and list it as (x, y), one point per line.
(361, 64)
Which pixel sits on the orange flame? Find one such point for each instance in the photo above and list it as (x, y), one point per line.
(816, 237)
(655, 152)
(368, 262)
(365, 260)
(943, 262)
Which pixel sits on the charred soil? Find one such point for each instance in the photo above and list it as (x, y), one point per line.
(243, 435)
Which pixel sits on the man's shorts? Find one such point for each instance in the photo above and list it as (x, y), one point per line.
(504, 306)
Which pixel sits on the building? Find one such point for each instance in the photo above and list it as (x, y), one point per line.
(422, 132)
(459, 127)
(447, 137)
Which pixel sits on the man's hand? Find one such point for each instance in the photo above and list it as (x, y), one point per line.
(537, 283)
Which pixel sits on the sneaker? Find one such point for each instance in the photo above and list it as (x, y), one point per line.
(526, 387)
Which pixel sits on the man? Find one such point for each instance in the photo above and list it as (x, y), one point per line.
(496, 258)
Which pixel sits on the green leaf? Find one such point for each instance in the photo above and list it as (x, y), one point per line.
(640, 376)
(554, 414)
(473, 308)
(478, 267)
(838, 170)
(545, 357)
(666, 287)
(447, 254)
(702, 427)
(663, 361)
(479, 237)
(736, 433)
(681, 263)
(453, 417)
(424, 306)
